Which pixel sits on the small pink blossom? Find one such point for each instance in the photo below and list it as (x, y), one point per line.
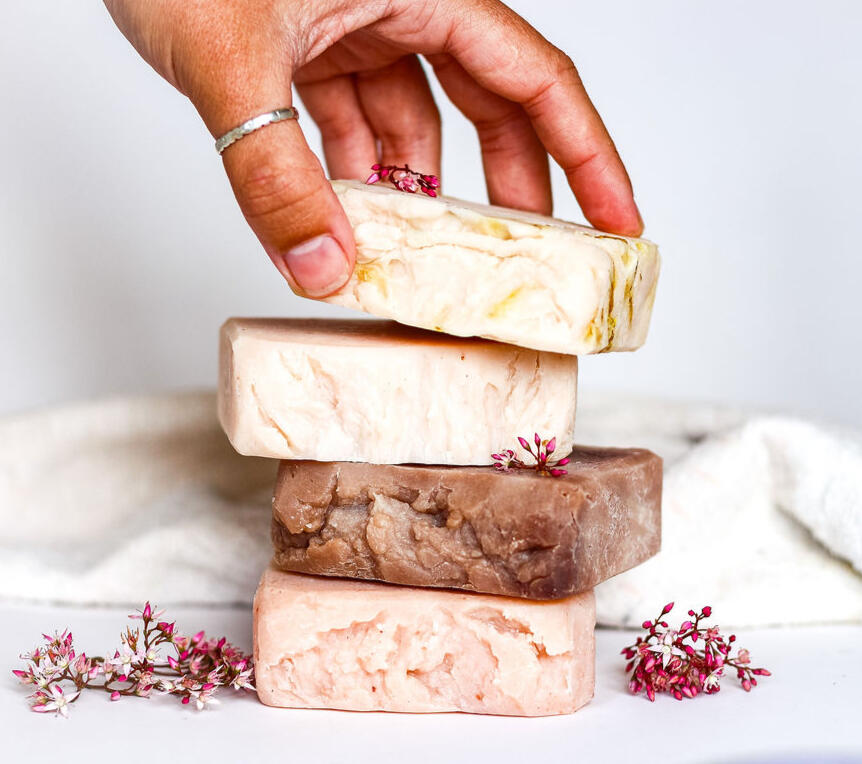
(25, 677)
(665, 647)
(82, 665)
(242, 680)
(64, 660)
(166, 628)
(404, 179)
(711, 680)
(35, 656)
(506, 459)
(124, 662)
(147, 613)
(204, 697)
(57, 701)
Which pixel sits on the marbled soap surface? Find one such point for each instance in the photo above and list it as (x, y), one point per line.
(362, 646)
(470, 269)
(517, 533)
(380, 392)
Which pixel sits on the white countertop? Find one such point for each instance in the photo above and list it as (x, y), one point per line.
(809, 710)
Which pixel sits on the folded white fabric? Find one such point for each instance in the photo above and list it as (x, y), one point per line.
(120, 501)
(748, 520)
(130, 499)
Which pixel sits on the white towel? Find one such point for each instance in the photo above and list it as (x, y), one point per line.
(124, 500)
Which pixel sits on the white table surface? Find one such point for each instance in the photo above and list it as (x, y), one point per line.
(810, 710)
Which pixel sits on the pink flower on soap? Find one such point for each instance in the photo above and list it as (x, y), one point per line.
(506, 459)
(404, 179)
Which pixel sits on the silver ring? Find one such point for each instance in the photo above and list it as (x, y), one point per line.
(255, 123)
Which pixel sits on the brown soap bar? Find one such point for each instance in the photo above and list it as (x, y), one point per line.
(515, 533)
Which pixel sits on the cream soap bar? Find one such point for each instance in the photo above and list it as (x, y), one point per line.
(379, 392)
(360, 646)
(468, 269)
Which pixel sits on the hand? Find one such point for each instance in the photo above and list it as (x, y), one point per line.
(356, 69)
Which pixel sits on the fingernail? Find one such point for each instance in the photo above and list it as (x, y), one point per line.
(318, 266)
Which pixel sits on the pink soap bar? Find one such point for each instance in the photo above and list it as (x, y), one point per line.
(362, 646)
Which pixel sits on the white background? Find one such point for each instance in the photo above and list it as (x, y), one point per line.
(121, 249)
(121, 252)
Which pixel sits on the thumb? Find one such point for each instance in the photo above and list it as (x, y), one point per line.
(284, 195)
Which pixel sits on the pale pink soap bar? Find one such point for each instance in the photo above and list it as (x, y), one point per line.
(362, 646)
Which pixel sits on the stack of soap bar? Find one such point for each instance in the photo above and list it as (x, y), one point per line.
(379, 392)
(411, 573)
(471, 269)
(520, 534)
(359, 646)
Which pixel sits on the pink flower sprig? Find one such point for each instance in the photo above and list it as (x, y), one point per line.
(404, 179)
(506, 460)
(193, 670)
(673, 661)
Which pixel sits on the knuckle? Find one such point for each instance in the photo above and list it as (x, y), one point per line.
(561, 72)
(495, 124)
(269, 189)
(595, 161)
(588, 160)
(501, 145)
(410, 130)
(414, 16)
(336, 127)
(563, 65)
